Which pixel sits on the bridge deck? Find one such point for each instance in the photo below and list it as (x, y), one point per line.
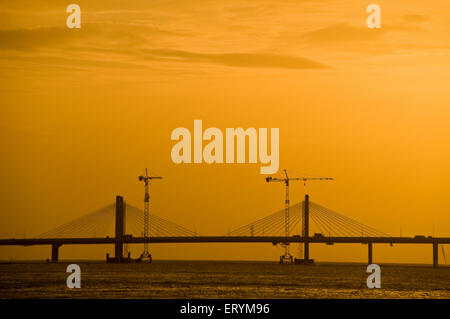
(225, 239)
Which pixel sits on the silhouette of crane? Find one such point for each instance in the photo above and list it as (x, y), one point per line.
(146, 179)
(286, 180)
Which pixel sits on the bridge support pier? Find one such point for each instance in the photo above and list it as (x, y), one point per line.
(435, 255)
(55, 252)
(370, 261)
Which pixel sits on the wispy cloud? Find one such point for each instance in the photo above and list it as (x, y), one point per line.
(342, 33)
(92, 40)
(416, 18)
(24, 39)
(249, 60)
(112, 35)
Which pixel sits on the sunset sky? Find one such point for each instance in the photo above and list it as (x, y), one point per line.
(84, 111)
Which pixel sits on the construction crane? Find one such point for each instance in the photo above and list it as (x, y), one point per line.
(146, 179)
(286, 180)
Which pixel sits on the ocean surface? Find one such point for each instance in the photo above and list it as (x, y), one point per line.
(221, 279)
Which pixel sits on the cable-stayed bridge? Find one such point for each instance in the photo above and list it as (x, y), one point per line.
(120, 223)
(100, 223)
(325, 221)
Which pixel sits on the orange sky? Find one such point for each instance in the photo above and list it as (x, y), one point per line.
(83, 112)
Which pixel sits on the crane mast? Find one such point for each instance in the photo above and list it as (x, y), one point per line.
(286, 180)
(145, 256)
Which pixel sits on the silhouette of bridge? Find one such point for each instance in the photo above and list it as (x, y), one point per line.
(328, 226)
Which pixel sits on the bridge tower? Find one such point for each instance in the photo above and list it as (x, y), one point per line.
(305, 228)
(120, 228)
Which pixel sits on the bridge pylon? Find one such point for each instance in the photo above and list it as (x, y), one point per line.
(120, 227)
(305, 234)
(119, 233)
